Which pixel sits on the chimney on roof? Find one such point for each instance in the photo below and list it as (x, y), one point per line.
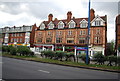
(92, 14)
(50, 16)
(69, 16)
(73, 18)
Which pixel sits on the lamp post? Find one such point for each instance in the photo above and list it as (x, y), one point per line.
(87, 55)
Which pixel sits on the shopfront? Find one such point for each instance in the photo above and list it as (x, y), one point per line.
(81, 50)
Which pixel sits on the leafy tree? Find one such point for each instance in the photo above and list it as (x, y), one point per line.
(110, 48)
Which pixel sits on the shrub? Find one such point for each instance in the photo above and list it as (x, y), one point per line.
(48, 53)
(23, 50)
(59, 54)
(13, 50)
(111, 59)
(118, 60)
(99, 58)
(6, 48)
(83, 57)
(68, 55)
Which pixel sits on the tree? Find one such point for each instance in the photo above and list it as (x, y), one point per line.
(110, 48)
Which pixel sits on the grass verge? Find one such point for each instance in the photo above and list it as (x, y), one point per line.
(69, 63)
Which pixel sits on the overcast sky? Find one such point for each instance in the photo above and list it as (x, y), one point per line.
(28, 12)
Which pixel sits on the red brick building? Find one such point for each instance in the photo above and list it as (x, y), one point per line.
(23, 35)
(118, 35)
(70, 34)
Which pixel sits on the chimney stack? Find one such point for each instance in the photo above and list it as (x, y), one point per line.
(50, 16)
(69, 16)
(92, 14)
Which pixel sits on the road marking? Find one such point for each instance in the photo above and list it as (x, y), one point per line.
(44, 71)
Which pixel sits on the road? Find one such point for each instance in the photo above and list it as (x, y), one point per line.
(21, 69)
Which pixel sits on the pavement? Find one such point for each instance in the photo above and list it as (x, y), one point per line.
(22, 69)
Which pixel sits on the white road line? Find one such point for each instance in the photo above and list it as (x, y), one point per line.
(44, 71)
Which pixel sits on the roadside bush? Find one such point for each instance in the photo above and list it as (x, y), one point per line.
(83, 57)
(42, 53)
(6, 48)
(99, 58)
(69, 55)
(59, 55)
(13, 50)
(23, 50)
(118, 60)
(113, 59)
(49, 54)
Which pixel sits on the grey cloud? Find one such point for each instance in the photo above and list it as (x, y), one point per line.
(111, 8)
(36, 9)
(42, 10)
(12, 8)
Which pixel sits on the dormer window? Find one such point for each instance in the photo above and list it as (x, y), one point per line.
(97, 21)
(42, 26)
(71, 24)
(83, 24)
(60, 24)
(50, 25)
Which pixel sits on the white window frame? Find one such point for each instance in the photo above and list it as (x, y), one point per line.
(60, 25)
(50, 25)
(97, 21)
(42, 26)
(71, 24)
(83, 24)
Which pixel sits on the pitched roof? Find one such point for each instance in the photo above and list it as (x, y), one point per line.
(76, 20)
